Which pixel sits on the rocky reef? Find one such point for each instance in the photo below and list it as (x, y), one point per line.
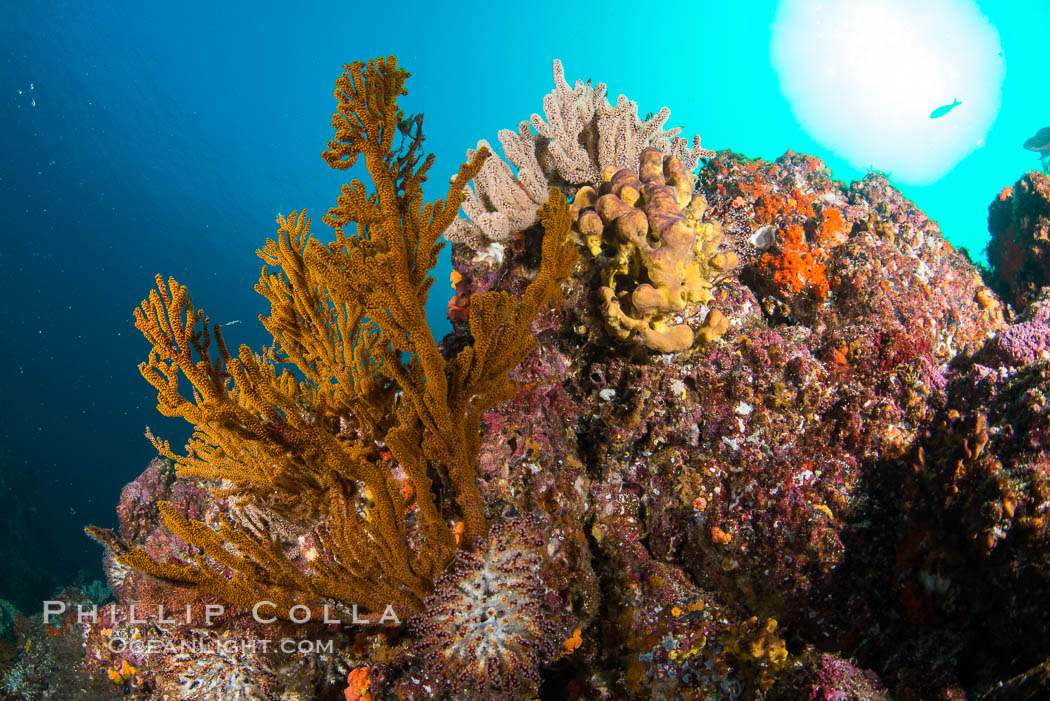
(1019, 250)
(743, 496)
(766, 436)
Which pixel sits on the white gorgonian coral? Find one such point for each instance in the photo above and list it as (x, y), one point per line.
(578, 138)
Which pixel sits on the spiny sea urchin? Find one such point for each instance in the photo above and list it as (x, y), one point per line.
(489, 625)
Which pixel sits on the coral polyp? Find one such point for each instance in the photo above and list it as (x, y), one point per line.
(488, 627)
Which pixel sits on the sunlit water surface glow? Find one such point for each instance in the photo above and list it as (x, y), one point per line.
(863, 76)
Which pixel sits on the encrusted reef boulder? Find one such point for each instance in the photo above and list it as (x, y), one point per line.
(1019, 250)
(729, 499)
(971, 506)
(845, 261)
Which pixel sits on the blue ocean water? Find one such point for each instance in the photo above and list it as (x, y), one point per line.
(144, 137)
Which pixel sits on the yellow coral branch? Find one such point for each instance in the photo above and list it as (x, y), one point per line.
(308, 447)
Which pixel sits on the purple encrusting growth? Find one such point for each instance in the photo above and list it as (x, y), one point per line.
(1026, 341)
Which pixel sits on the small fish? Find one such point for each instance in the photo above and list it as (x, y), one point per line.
(405, 125)
(1039, 142)
(231, 323)
(945, 109)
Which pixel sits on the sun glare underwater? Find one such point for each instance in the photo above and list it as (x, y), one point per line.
(862, 77)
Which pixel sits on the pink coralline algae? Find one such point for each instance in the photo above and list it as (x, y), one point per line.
(1024, 342)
